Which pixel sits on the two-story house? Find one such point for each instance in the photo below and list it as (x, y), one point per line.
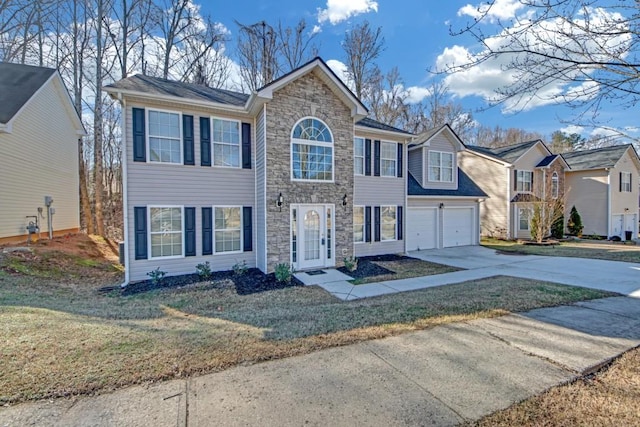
(293, 173)
(513, 176)
(603, 186)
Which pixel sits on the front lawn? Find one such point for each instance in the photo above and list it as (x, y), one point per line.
(580, 249)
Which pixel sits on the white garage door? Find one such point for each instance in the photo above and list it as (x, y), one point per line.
(458, 227)
(421, 229)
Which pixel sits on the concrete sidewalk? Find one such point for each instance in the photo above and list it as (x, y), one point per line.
(440, 376)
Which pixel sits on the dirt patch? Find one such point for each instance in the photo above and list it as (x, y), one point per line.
(368, 267)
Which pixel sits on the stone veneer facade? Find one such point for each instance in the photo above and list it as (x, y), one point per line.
(307, 96)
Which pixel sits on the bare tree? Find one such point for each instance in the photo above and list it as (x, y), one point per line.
(296, 45)
(587, 51)
(257, 51)
(387, 98)
(362, 46)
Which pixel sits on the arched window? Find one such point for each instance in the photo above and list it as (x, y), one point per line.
(554, 185)
(311, 151)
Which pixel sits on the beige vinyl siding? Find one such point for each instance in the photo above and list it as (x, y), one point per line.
(624, 202)
(415, 163)
(434, 202)
(189, 186)
(493, 179)
(261, 189)
(442, 144)
(39, 157)
(528, 162)
(380, 191)
(588, 192)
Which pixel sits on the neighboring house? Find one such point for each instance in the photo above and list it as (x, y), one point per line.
(293, 173)
(603, 186)
(513, 176)
(443, 203)
(39, 132)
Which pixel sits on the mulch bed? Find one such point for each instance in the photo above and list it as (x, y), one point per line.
(367, 266)
(253, 281)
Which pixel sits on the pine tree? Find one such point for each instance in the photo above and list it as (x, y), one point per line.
(574, 225)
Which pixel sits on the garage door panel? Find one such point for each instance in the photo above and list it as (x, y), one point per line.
(458, 227)
(421, 228)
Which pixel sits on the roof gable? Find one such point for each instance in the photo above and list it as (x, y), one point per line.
(599, 158)
(322, 70)
(18, 84)
(511, 153)
(426, 137)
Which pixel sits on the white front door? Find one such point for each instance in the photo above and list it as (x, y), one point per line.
(312, 236)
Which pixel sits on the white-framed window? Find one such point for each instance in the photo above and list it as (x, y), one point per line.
(358, 224)
(311, 151)
(440, 166)
(523, 218)
(554, 185)
(387, 223)
(227, 226)
(625, 182)
(225, 139)
(524, 181)
(164, 136)
(166, 231)
(358, 156)
(388, 158)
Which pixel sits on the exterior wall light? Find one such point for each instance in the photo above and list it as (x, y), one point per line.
(280, 201)
(344, 200)
(441, 206)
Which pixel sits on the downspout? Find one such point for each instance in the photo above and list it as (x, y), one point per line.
(608, 202)
(125, 189)
(510, 232)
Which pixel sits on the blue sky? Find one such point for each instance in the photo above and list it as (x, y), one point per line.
(416, 33)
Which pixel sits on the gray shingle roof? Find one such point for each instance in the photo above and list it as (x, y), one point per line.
(370, 123)
(511, 153)
(18, 83)
(466, 188)
(597, 158)
(547, 161)
(158, 86)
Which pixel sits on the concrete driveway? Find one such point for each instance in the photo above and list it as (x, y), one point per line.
(614, 276)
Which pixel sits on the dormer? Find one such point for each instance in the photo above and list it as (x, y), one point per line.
(433, 158)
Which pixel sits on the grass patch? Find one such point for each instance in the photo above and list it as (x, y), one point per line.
(580, 249)
(608, 398)
(61, 339)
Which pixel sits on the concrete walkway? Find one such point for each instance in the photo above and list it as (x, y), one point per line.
(480, 263)
(440, 376)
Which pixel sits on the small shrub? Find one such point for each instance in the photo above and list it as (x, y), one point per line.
(240, 268)
(283, 272)
(204, 270)
(156, 276)
(351, 263)
(574, 225)
(557, 228)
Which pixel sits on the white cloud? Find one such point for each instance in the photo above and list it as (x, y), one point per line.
(341, 10)
(500, 9)
(340, 68)
(416, 94)
(571, 129)
(491, 75)
(604, 132)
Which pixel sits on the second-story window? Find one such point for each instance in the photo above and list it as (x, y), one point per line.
(165, 144)
(388, 158)
(226, 143)
(311, 151)
(554, 185)
(440, 166)
(625, 182)
(358, 156)
(524, 181)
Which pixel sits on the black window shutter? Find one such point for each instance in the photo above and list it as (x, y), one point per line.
(190, 231)
(399, 163)
(630, 182)
(532, 180)
(376, 158)
(247, 226)
(367, 223)
(207, 231)
(246, 146)
(139, 139)
(620, 189)
(205, 141)
(140, 231)
(376, 223)
(187, 140)
(399, 222)
(515, 179)
(367, 157)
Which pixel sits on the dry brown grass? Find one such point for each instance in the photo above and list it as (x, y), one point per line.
(61, 337)
(609, 398)
(596, 250)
